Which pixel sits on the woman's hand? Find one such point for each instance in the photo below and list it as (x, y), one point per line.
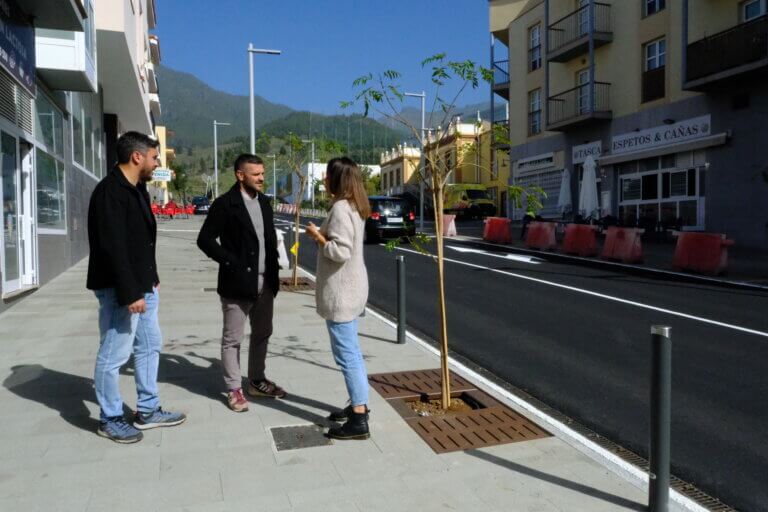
(313, 232)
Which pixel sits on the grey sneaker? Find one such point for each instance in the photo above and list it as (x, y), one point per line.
(157, 418)
(119, 431)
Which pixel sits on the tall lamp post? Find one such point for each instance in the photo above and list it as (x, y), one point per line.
(312, 163)
(216, 124)
(423, 96)
(274, 176)
(251, 51)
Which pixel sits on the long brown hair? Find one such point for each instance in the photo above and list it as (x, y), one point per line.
(345, 181)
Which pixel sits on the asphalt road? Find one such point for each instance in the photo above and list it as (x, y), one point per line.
(578, 339)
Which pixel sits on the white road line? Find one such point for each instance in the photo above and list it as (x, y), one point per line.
(515, 257)
(606, 297)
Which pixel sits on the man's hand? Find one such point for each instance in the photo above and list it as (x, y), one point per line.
(140, 306)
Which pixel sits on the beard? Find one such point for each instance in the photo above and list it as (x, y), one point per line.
(251, 189)
(145, 176)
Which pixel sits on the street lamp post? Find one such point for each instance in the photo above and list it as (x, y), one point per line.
(312, 163)
(274, 176)
(423, 96)
(251, 51)
(216, 124)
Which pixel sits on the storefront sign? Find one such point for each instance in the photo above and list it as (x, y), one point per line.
(534, 163)
(580, 153)
(161, 175)
(662, 135)
(17, 45)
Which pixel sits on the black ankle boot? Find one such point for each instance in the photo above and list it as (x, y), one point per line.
(341, 415)
(356, 427)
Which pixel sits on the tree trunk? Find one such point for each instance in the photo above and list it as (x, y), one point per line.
(296, 241)
(437, 201)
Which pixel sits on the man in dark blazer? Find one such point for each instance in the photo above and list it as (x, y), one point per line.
(246, 252)
(122, 272)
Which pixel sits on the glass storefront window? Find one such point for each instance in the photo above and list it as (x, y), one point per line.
(650, 186)
(688, 212)
(630, 189)
(51, 209)
(49, 125)
(77, 129)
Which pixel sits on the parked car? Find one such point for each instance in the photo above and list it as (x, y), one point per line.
(391, 217)
(202, 204)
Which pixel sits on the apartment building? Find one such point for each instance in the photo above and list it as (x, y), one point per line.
(668, 97)
(399, 167)
(74, 75)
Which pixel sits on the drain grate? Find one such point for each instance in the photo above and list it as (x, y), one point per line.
(475, 429)
(286, 284)
(302, 436)
(414, 384)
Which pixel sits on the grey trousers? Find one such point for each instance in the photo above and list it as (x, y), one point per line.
(235, 313)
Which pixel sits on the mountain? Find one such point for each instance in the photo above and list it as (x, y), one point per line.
(467, 113)
(190, 106)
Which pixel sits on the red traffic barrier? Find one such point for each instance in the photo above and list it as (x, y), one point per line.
(580, 239)
(623, 244)
(706, 253)
(497, 230)
(541, 236)
(449, 225)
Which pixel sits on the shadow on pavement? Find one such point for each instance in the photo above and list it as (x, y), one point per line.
(556, 480)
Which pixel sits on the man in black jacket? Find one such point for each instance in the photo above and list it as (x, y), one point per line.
(246, 252)
(122, 271)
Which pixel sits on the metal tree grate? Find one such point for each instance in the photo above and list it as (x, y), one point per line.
(302, 436)
(414, 384)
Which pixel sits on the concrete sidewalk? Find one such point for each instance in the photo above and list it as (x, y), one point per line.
(51, 459)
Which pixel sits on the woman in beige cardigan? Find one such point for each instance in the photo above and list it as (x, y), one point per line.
(342, 288)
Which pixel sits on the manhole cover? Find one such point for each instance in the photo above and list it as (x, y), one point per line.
(302, 436)
(414, 383)
(286, 284)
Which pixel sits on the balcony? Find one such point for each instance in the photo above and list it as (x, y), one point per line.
(735, 52)
(151, 75)
(67, 60)
(66, 15)
(572, 108)
(568, 37)
(501, 78)
(154, 49)
(653, 84)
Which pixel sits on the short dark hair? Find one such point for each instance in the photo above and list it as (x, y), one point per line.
(133, 141)
(247, 158)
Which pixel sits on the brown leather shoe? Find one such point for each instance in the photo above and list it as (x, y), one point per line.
(265, 388)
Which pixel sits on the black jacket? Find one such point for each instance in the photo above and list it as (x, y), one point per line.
(122, 235)
(237, 251)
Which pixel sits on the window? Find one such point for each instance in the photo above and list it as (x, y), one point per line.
(51, 209)
(655, 54)
(87, 146)
(582, 96)
(653, 6)
(534, 47)
(630, 189)
(583, 8)
(752, 9)
(49, 125)
(534, 112)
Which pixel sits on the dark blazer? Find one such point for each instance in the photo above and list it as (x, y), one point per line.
(122, 234)
(237, 250)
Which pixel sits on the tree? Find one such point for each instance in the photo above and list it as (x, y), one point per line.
(296, 158)
(372, 183)
(382, 93)
(263, 144)
(180, 180)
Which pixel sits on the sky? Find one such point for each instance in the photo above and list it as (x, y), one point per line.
(326, 44)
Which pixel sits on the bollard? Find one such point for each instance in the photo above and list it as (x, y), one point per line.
(400, 299)
(661, 391)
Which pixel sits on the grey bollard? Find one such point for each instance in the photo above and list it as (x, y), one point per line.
(400, 299)
(661, 391)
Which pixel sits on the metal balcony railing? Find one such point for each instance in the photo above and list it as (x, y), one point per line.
(576, 25)
(653, 84)
(500, 72)
(574, 103)
(738, 46)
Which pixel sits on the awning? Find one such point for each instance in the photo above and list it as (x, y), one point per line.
(691, 145)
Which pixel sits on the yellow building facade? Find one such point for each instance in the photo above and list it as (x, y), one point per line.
(159, 190)
(399, 168)
(667, 96)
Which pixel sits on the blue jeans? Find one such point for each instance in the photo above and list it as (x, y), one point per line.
(123, 334)
(346, 352)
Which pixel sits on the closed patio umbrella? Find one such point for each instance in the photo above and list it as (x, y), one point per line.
(564, 201)
(588, 201)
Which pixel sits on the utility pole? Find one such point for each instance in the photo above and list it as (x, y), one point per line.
(216, 124)
(251, 51)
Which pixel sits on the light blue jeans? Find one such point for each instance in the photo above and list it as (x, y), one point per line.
(123, 334)
(346, 352)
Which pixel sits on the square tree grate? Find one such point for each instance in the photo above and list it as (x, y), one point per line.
(302, 436)
(286, 284)
(414, 384)
(490, 423)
